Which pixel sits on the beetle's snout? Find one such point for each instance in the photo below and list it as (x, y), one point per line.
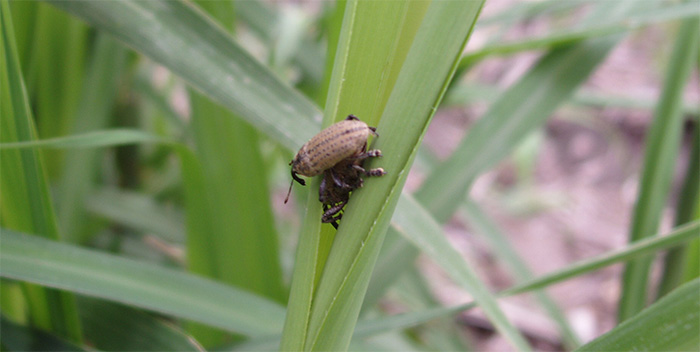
(297, 178)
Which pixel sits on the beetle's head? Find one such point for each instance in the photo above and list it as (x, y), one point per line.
(295, 177)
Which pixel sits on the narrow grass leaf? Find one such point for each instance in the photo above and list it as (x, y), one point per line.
(360, 85)
(91, 273)
(642, 248)
(419, 87)
(416, 224)
(16, 337)
(662, 145)
(371, 327)
(96, 139)
(507, 254)
(93, 112)
(560, 38)
(114, 327)
(517, 112)
(520, 110)
(137, 211)
(25, 199)
(670, 324)
(262, 20)
(241, 232)
(677, 263)
(56, 75)
(205, 56)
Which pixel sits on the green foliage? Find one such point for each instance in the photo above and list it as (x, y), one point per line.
(144, 145)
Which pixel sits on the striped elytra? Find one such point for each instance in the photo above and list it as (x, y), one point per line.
(342, 140)
(330, 146)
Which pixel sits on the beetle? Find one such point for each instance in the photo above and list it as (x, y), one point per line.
(338, 153)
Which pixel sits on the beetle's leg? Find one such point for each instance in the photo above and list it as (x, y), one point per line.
(374, 131)
(332, 213)
(322, 191)
(333, 218)
(375, 172)
(371, 172)
(372, 153)
(352, 117)
(338, 181)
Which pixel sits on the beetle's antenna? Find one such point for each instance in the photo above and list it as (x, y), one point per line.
(289, 192)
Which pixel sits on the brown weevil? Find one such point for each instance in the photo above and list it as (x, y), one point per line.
(338, 152)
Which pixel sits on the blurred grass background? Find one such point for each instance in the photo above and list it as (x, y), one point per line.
(151, 139)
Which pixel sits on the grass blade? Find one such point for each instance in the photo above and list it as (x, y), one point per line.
(670, 324)
(106, 138)
(560, 38)
(360, 84)
(56, 71)
(521, 109)
(643, 248)
(425, 233)
(16, 337)
(138, 212)
(418, 90)
(677, 263)
(662, 147)
(503, 126)
(507, 254)
(205, 56)
(114, 327)
(93, 112)
(96, 274)
(25, 198)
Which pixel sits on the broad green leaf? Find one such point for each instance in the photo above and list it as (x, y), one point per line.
(237, 199)
(56, 71)
(93, 113)
(16, 337)
(114, 327)
(662, 145)
(205, 56)
(360, 85)
(419, 87)
(642, 248)
(670, 324)
(25, 202)
(137, 211)
(91, 273)
(521, 109)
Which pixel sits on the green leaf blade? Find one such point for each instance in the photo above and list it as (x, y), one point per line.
(205, 55)
(662, 146)
(91, 273)
(25, 201)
